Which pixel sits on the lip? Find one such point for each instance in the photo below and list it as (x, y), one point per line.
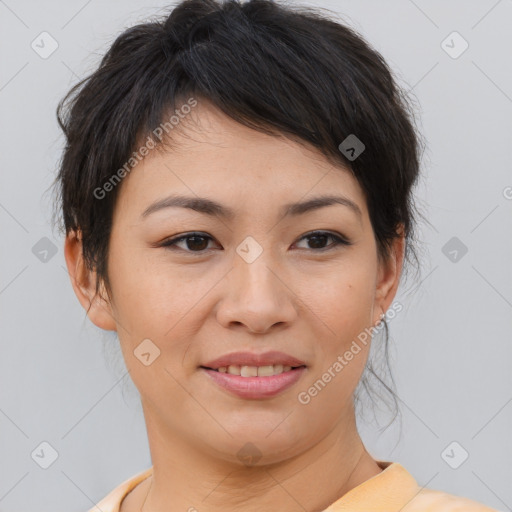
(251, 359)
(255, 388)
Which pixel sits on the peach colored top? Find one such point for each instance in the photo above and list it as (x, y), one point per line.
(392, 490)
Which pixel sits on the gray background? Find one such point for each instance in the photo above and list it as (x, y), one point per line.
(452, 347)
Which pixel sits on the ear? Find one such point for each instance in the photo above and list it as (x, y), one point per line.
(83, 281)
(388, 277)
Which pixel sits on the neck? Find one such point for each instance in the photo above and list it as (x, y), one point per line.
(186, 479)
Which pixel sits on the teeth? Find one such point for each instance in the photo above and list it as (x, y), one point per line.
(265, 371)
(254, 371)
(233, 369)
(249, 371)
(278, 368)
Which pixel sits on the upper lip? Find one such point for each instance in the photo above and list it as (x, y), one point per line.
(251, 359)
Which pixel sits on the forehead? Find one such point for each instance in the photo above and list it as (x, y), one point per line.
(212, 155)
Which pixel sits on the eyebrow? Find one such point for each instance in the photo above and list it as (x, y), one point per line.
(212, 208)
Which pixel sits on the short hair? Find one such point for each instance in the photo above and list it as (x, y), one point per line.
(282, 70)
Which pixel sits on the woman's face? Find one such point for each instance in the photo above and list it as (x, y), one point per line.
(254, 282)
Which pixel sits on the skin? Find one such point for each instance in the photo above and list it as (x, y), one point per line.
(196, 306)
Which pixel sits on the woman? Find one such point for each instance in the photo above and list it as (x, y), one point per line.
(236, 192)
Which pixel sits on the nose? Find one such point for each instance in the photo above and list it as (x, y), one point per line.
(256, 296)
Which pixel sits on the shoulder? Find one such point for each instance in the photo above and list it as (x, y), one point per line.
(428, 500)
(395, 490)
(112, 501)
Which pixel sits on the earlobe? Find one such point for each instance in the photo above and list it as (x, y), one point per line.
(83, 280)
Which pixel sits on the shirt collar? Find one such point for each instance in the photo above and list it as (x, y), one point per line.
(387, 491)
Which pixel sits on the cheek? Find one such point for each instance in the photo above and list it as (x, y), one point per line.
(344, 306)
(147, 302)
(343, 300)
(154, 302)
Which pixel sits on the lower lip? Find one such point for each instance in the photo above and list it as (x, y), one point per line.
(256, 387)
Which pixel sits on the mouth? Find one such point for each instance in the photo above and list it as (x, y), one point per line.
(254, 376)
(255, 371)
(254, 382)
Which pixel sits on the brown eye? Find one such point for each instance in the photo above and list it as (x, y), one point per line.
(198, 242)
(318, 239)
(194, 242)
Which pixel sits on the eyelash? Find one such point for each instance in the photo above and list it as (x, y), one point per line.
(338, 240)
